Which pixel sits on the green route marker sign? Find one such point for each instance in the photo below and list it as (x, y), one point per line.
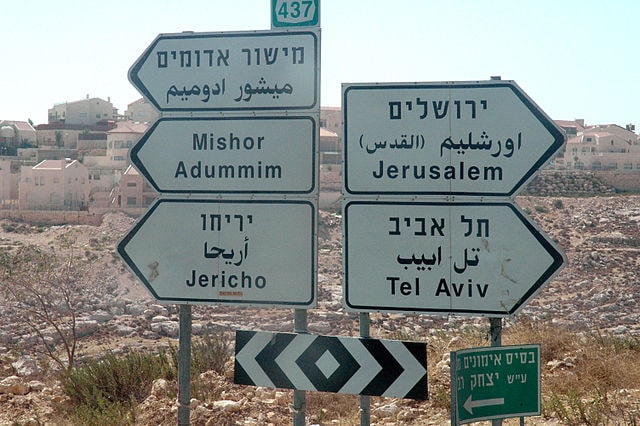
(495, 382)
(295, 13)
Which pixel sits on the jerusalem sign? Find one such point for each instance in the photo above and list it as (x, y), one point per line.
(483, 138)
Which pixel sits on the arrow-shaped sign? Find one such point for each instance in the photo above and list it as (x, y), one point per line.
(230, 71)
(251, 252)
(452, 138)
(331, 364)
(463, 258)
(251, 154)
(470, 404)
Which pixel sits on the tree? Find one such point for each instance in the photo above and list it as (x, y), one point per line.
(44, 291)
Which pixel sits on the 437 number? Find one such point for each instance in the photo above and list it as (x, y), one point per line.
(295, 9)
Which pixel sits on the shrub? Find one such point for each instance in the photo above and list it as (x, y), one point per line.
(114, 380)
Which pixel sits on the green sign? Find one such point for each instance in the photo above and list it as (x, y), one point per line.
(495, 382)
(295, 13)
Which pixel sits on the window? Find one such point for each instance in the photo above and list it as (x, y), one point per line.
(56, 179)
(131, 201)
(612, 166)
(131, 184)
(588, 139)
(628, 166)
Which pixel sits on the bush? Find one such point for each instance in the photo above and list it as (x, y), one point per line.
(115, 380)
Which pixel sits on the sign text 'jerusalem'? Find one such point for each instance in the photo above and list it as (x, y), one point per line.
(476, 138)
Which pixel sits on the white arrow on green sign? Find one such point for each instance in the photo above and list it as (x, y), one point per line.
(495, 382)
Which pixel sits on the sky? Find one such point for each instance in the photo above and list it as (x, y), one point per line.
(574, 58)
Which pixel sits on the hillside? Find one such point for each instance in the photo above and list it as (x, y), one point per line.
(595, 293)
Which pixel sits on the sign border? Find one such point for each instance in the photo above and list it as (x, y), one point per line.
(552, 270)
(311, 302)
(135, 160)
(552, 128)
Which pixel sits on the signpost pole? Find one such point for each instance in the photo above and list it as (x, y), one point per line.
(365, 400)
(184, 366)
(299, 396)
(495, 329)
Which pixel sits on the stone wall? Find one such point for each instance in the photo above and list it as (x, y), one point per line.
(565, 183)
(53, 217)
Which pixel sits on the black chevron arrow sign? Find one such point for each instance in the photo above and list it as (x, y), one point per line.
(308, 362)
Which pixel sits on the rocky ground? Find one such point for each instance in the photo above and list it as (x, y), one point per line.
(597, 289)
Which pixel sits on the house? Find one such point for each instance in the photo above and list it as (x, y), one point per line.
(5, 181)
(330, 147)
(85, 112)
(54, 185)
(602, 147)
(121, 139)
(331, 119)
(132, 191)
(14, 134)
(141, 111)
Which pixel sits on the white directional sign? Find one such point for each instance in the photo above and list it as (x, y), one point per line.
(275, 155)
(251, 252)
(459, 138)
(231, 71)
(462, 258)
(310, 362)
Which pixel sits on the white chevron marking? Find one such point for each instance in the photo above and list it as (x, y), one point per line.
(368, 370)
(287, 361)
(413, 370)
(247, 358)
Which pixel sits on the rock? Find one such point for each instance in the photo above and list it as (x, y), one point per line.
(160, 388)
(26, 366)
(135, 309)
(14, 385)
(388, 410)
(166, 328)
(101, 316)
(86, 327)
(125, 330)
(228, 406)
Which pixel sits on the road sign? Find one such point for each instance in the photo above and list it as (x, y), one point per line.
(495, 382)
(332, 364)
(270, 155)
(458, 138)
(249, 252)
(231, 71)
(294, 13)
(462, 258)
